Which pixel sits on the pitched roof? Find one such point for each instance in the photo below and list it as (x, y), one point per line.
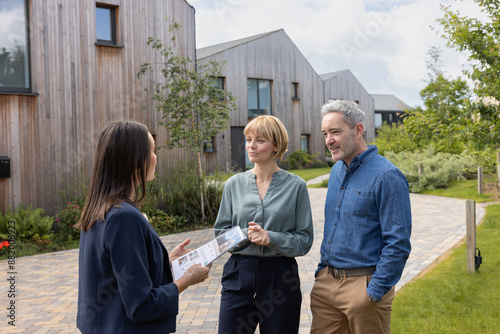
(330, 75)
(214, 49)
(388, 102)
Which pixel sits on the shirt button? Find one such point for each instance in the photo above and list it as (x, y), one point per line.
(338, 206)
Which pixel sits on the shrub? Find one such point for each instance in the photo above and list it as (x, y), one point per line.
(43, 241)
(28, 222)
(65, 220)
(430, 170)
(393, 138)
(300, 159)
(165, 224)
(74, 190)
(215, 187)
(484, 158)
(177, 193)
(320, 164)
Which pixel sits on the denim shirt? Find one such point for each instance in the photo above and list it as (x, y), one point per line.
(368, 220)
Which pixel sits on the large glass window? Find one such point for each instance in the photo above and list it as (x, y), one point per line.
(218, 82)
(105, 19)
(259, 97)
(304, 143)
(14, 46)
(378, 120)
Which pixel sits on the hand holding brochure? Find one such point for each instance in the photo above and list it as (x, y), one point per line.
(207, 253)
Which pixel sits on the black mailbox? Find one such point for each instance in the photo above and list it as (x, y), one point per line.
(4, 167)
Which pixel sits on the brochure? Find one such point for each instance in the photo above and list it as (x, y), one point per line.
(207, 253)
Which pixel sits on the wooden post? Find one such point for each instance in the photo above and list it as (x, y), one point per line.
(470, 237)
(420, 172)
(498, 166)
(479, 180)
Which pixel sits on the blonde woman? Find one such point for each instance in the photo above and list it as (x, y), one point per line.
(260, 281)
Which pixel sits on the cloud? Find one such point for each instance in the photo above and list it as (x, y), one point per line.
(12, 26)
(384, 43)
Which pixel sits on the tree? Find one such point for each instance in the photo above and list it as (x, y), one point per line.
(482, 129)
(393, 138)
(193, 108)
(481, 38)
(445, 113)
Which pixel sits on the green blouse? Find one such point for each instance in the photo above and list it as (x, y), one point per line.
(285, 212)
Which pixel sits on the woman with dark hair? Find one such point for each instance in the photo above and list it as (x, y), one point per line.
(260, 281)
(125, 282)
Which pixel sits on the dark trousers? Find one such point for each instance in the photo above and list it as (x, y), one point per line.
(260, 290)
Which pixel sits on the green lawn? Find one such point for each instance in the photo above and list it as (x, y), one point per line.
(448, 299)
(466, 189)
(310, 173)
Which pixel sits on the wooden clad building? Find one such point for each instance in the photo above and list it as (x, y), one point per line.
(67, 69)
(388, 109)
(269, 75)
(343, 85)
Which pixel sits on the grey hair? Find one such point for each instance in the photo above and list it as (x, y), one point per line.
(351, 111)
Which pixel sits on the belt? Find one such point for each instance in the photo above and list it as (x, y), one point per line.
(336, 273)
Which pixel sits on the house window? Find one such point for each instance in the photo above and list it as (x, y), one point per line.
(295, 90)
(259, 97)
(209, 145)
(14, 47)
(218, 82)
(105, 21)
(378, 120)
(304, 143)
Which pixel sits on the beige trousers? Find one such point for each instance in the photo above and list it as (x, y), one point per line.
(341, 305)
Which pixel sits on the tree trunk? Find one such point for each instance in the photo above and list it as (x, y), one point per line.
(202, 187)
(498, 167)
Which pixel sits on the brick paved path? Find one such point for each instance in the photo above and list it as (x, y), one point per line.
(46, 285)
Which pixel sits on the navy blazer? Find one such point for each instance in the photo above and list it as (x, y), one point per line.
(125, 282)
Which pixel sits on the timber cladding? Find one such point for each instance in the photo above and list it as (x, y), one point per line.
(274, 57)
(78, 88)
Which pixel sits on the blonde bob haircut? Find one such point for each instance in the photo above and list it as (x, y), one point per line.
(271, 129)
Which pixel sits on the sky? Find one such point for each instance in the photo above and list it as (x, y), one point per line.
(11, 21)
(385, 43)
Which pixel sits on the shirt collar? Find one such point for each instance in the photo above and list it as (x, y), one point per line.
(360, 159)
